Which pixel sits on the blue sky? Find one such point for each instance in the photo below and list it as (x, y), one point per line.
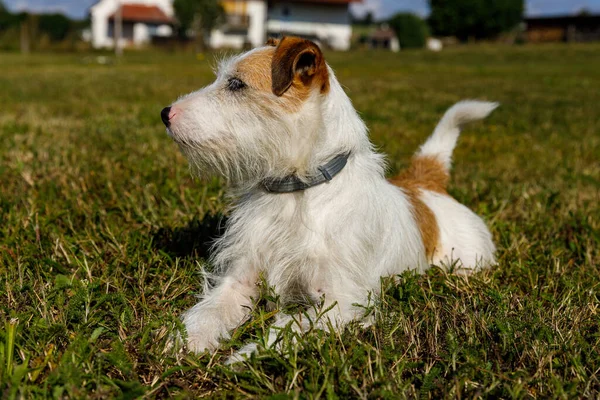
(381, 8)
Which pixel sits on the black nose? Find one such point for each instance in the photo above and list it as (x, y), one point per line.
(164, 115)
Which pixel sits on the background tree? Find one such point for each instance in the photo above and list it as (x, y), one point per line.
(411, 30)
(366, 20)
(56, 26)
(584, 12)
(6, 18)
(479, 19)
(199, 16)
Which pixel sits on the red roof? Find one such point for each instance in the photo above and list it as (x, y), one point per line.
(141, 13)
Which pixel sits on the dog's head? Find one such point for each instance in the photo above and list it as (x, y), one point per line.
(262, 116)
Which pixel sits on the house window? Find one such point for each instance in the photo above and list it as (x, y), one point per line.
(126, 33)
(152, 30)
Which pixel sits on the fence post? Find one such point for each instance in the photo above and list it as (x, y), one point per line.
(118, 31)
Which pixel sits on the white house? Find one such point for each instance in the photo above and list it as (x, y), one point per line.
(250, 22)
(142, 19)
(247, 22)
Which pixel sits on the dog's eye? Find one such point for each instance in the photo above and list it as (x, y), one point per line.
(235, 84)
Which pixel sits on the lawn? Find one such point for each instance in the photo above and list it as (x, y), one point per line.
(103, 233)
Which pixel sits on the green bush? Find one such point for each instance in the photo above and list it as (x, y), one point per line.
(411, 30)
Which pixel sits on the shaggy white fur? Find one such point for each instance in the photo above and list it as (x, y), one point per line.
(330, 243)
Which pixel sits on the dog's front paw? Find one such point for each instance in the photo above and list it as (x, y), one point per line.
(201, 336)
(242, 354)
(198, 343)
(204, 329)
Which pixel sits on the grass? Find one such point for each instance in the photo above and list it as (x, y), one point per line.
(103, 230)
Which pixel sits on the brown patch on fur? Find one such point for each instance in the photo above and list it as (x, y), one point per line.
(255, 69)
(430, 232)
(424, 173)
(302, 60)
(299, 64)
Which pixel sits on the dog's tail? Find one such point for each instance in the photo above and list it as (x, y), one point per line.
(443, 140)
(430, 167)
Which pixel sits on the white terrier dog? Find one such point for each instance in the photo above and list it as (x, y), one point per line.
(313, 212)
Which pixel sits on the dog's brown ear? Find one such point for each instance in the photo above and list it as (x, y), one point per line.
(298, 62)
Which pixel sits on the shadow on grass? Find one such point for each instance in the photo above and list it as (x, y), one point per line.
(193, 240)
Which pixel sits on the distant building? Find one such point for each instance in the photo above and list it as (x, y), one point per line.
(384, 38)
(248, 23)
(251, 22)
(142, 19)
(579, 28)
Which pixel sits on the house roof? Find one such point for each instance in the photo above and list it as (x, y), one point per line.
(383, 34)
(142, 13)
(565, 18)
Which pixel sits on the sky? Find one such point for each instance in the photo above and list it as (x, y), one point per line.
(381, 8)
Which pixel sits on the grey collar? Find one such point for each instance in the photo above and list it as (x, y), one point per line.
(292, 183)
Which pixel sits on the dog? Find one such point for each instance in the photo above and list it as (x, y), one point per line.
(313, 213)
